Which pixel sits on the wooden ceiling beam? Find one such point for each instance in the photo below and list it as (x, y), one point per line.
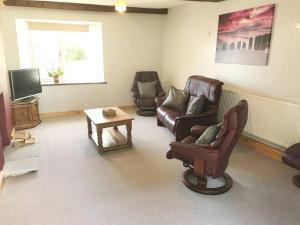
(206, 0)
(80, 7)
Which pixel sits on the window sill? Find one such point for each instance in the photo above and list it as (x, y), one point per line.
(70, 83)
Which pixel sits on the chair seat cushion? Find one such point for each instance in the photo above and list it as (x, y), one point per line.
(291, 156)
(146, 102)
(189, 140)
(197, 130)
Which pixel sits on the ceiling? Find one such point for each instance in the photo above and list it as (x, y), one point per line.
(133, 3)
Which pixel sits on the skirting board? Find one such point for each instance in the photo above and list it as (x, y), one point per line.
(77, 112)
(60, 114)
(261, 147)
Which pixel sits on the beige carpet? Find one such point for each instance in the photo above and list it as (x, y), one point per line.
(76, 185)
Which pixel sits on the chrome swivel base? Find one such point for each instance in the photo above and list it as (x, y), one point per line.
(200, 184)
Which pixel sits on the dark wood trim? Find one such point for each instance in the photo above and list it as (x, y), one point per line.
(80, 7)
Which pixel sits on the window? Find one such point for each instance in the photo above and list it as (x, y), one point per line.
(72, 48)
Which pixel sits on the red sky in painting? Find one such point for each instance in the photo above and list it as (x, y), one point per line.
(246, 23)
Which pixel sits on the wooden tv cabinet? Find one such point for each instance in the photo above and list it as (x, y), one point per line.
(25, 113)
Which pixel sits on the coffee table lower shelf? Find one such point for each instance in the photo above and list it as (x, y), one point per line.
(112, 139)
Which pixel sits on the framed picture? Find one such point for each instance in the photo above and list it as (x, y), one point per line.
(244, 36)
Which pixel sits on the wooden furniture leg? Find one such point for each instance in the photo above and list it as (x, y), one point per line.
(89, 124)
(116, 128)
(99, 136)
(129, 128)
(199, 172)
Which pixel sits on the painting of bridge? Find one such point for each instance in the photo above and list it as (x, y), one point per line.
(244, 36)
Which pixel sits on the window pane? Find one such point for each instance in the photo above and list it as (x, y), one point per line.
(78, 54)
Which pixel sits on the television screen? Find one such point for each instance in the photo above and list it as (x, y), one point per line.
(24, 83)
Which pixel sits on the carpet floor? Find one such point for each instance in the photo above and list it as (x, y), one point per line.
(77, 186)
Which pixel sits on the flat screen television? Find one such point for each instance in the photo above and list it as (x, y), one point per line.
(24, 83)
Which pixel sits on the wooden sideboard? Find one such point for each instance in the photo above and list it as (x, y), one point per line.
(25, 114)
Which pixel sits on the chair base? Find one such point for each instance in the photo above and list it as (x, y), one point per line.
(296, 180)
(200, 187)
(146, 112)
(159, 123)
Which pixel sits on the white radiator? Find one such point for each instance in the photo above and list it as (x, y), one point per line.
(271, 120)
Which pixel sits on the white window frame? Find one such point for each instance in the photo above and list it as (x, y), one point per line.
(25, 54)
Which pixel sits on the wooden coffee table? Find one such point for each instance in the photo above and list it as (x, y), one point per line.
(103, 130)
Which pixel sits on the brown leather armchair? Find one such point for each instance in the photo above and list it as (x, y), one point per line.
(180, 124)
(210, 160)
(147, 106)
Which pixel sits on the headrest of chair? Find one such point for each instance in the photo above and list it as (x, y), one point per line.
(241, 109)
(200, 85)
(145, 76)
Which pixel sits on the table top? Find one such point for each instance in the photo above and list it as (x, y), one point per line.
(97, 117)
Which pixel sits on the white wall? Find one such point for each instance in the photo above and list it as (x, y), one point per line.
(131, 42)
(190, 45)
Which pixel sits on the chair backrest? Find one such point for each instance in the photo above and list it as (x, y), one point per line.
(233, 125)
(146, 76)
(210, 88)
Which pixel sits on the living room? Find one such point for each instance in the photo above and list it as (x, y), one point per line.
(138, 185)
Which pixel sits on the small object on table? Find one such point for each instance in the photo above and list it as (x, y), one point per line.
(109, 112)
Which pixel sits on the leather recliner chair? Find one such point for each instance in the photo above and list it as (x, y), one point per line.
(210, 160)
(180, 124)
(147, 106)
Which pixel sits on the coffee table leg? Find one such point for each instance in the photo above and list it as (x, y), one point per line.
(89, 124)
(129, 128)
(99, 135)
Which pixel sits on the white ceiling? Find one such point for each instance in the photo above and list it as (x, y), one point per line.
(133, 3)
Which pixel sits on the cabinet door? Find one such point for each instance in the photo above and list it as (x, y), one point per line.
(22, 114)
(35, 112)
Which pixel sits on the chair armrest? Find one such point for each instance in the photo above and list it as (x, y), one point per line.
(198, 130)
(193, 151)
(183, 124)
(196, 117)
(135, 94)
(159, 100)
